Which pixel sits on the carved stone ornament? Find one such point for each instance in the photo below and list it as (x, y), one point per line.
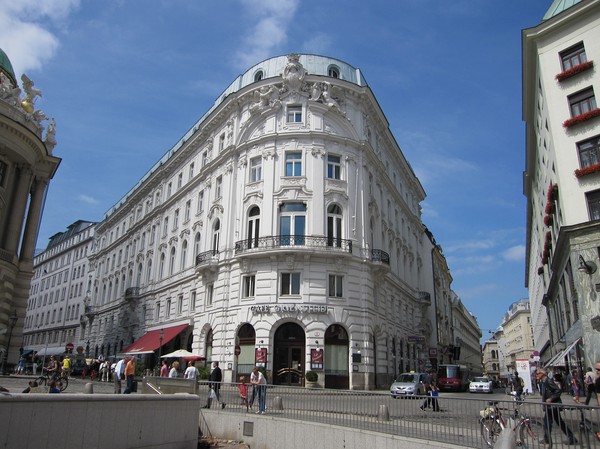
(293, 73)
(595, 322)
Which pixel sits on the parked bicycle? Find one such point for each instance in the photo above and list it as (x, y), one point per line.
(61, 382)
(529, 431)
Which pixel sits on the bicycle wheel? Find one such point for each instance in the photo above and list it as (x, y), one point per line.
(62, 383)
(490, 429)
(41, 381)
(531, 433)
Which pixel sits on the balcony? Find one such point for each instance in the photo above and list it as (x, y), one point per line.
(207, 261)
(296, 242)
(132, 293)
(380, 256)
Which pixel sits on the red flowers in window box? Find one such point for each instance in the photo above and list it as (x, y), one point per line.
(541, 270)
(548, 220)
(581, 118)
(575, 70)
(587, 170)
(552, 192)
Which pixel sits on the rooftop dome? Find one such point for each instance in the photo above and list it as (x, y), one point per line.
(6, 67)
(559, 6)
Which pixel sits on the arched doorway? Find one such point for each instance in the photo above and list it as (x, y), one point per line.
(247, 342)
(288, 360)
(337, 348)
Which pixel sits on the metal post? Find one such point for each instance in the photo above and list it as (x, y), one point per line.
(162, 332)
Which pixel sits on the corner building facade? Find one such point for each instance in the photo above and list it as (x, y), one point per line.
(284, 229)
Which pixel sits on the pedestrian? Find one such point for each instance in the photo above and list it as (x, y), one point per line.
(215, 385)
(576, 386)
(129, 374)
(432, 392)
(52, 388)
(517, 387)
(243, 389)
(164, 369)
(191, 372)
(21, 365)
(590, 387)
(174, 373)
(597, 383)
(550, 392)
(66, 366)
(258, 380)
(118, 375)
(52, 368)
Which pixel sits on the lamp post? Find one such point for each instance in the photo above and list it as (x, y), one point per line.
(12, 321)
(160, 340)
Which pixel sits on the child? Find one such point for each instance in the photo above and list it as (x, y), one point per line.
(243, 388)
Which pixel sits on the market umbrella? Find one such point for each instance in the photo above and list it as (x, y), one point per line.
(180, 353)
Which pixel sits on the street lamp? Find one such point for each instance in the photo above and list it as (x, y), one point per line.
(160, 340)
(12, 321)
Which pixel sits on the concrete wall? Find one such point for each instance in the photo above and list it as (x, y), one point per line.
(269, 432)
(71, 421)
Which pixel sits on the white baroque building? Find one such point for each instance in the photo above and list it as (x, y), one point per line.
(284, 229)
(562, 182)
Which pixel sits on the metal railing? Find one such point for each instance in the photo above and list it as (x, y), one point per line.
(378, 255)
(458, 420)
(284, 241)
(207, 256)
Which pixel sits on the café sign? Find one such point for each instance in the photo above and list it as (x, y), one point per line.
(282, 308)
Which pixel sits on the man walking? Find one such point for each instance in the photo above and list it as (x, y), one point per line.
(118, 375)
(129, 374)
(215, 385)
(551, 398)
(191, 372)
(590, 387)
(257, 379)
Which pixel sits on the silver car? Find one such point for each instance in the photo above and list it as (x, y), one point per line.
(409, 385)
(481, 385)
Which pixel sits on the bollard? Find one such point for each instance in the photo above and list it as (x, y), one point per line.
(89, 388)
(277, 403)
(384, 413)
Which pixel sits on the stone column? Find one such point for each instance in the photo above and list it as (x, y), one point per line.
(33, 220)
(19, 203)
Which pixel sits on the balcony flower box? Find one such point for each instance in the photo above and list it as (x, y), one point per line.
(581, 118)
(548, 220)
(541, 270)
(587, 170)
(552, 192)
(574, 70)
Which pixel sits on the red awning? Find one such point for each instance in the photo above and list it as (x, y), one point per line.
(150, 341)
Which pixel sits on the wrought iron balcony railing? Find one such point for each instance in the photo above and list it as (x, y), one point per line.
(207, 257)
(132, 292)
(285, 241)
(378, 255)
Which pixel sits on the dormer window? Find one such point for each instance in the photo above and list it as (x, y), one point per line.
(333, 71)
(259, 76)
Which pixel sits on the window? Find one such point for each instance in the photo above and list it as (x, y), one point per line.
(582, 102)
(196, 245)
(255, 169)
(161, 267)
(184, 249)
(253, 227)
(335, 285)
(333, 71)
(179, 181)
(221, 142)
(157, 307)
(292, 223)
(165, 227)
(290, 284)
(169, 187)
(589, 152)
(294, 114)
(573, 56)
(593, 200)
(200, 201)
(334, 226)
(293, 164)
(176, 219)
(248, 286)
(188, 208)
(334, 167)
(179, 304)
(168, 309)
(216, 235)
(209, 294)
(193, 300)
(218, 187)
(191, 170)
(205, 158)
(258, 76)
(172, 261)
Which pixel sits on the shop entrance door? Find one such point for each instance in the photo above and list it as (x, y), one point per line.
(289, 355)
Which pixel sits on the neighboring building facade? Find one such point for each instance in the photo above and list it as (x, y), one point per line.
(467, 335)
(26, 168)
(491, 359)
(562, 182)
(517, 334)
(283, 230)
(55, 310)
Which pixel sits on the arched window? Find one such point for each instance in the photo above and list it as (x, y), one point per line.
(117, 292)
(138, 281)
(149, 271)
(216, 235)
(259, 75)
(333, 71)
(184, 248)
(292, 223)
(253, 227)
(196, 245)
(172, 261)
(161, 268)
(334, 226)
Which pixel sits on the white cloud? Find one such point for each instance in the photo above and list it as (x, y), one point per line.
(470, 245)
(87, 199)
(515, 253)
(24, 33)
(270, 31)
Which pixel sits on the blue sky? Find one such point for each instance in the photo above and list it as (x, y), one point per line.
(126, 79)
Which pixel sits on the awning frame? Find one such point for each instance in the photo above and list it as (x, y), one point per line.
(149, 342)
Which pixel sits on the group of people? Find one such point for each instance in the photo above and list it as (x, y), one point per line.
(191, 372)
